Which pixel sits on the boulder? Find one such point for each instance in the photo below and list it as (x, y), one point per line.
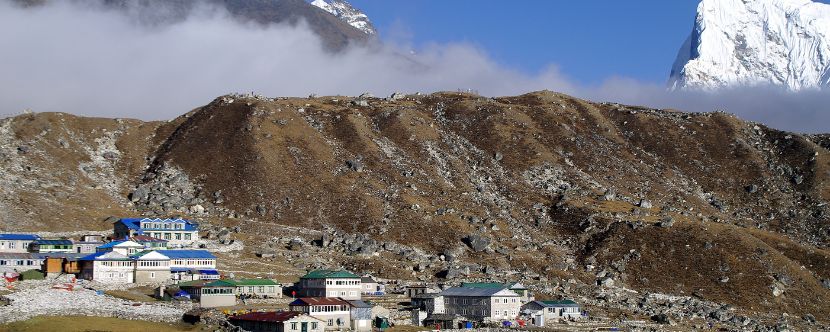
(139, 194)
(477, 242)
(645, 204)
(355, 165)
(666, 222)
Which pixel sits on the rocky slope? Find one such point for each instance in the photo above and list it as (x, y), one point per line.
(705, 216)
(758, 42)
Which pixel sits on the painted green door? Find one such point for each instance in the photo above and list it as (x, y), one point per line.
(303, 327)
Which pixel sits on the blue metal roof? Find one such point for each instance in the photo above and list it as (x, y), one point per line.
(174, 254)
(179, 269)
(109, 245)
(95, 256)
(54, 242)
(135, 224)
(22, 237)
(209, 272)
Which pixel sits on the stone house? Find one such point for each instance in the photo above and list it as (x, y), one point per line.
(280, 321)
(413, 290)
(88, 244)
(179, 233)
(482, 304)
(329, 283)
(16, 243)
(543, 313)
(336, 313)
(151, 267)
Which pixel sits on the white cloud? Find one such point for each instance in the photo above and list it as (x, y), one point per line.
(67, 58)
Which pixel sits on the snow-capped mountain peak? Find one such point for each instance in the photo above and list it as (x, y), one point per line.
(756, 42)
(347, 13)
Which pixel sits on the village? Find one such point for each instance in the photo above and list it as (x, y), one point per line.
(164, 254)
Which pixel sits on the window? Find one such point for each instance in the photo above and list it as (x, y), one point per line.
(178, 236)
(314, 325)
(167, 236)
(2, 262)
(152, 275)
(293, 326)
(187, 236)
(19, 262)
(331, 322)
(11, 245)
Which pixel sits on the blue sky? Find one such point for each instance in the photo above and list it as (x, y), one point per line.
(589, 40)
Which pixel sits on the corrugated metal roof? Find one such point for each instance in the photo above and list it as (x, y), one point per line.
(358, 304)
(105, 256)
(53, 242)
(329, 274)
(476, 292)
(560, 303)
(254, 282)
(177, 254)
(19, 237)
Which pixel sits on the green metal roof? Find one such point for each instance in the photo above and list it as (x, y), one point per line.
(329, 274)
(254, 282)
(194, 283)
(220, 283)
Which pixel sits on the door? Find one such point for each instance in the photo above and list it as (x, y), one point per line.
(304, 327)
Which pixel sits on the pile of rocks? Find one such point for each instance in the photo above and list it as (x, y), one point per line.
(42, 298)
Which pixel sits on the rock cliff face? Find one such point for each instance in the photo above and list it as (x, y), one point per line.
(756, 42)
(538, 187)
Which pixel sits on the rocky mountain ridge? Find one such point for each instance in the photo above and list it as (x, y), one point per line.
(591, 200)
(347, 13)
(737, 43)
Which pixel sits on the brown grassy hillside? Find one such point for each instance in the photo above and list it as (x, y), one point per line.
(701, 205)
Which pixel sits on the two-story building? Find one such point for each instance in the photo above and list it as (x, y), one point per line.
(47, 246)
(279, 321)
(108, 267)
(336, 313)
(16, 243)
(191, 264)
(151, 267)
(178, 232)
(482, 304)
(330, 283)
(516, 287)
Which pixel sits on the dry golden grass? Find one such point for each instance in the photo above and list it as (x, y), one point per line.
(96, 324)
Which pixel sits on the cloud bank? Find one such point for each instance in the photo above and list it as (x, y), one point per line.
(71, 58)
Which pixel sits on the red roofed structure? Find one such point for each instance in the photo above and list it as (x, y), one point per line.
(278, 321)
